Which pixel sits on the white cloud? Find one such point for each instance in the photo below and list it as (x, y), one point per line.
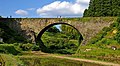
(30, 9)
(21, 12)
(83, 1)
(64, 8)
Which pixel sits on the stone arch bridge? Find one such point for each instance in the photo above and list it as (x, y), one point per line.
(31, 27)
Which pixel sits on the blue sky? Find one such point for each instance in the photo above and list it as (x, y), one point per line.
(42, 8)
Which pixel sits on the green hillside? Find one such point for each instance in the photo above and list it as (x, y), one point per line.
(108, 35)
(104, 46)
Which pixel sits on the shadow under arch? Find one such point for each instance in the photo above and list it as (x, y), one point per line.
(40, 42)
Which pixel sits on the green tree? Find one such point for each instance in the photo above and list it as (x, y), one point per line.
(0, 16)
(70, 31)
(99, 8)
(53, 29)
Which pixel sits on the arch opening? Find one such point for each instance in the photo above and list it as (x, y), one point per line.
(65, 40)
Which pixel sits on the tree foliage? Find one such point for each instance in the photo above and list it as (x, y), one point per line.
(9, 35)
(53, 30)
(99, 8)
(0, 16)
(71, 32)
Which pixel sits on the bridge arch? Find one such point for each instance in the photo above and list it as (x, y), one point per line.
(40, 42)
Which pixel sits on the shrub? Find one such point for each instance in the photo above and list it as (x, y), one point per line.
(35, 48)
(115, 24)
(6, 48)
(106, 29)
(26, 47)
(118, 19)
(117, 37)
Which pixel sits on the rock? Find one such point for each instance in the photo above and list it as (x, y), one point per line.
(86, 50)
(113, 47)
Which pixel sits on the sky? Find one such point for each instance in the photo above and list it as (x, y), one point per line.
(42, 8)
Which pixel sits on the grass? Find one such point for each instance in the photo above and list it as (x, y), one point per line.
(52, 61)
(29, 59)
(39, 60)
(97, 52)
(10, 60)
